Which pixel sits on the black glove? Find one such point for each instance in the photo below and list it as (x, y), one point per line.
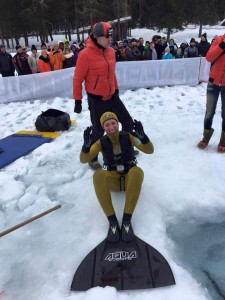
(117, 91)
(139, 132)
(87, 139)
(78, 106)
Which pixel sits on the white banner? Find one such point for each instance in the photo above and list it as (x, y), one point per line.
(130, 75)
(204, 70)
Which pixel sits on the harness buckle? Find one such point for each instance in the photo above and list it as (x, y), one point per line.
(120, 168)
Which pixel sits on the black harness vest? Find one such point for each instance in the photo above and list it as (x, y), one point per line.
(127, 151)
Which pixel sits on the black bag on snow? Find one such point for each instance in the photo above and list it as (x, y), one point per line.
(53, 120)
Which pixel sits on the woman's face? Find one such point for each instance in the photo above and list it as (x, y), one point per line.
(111, 126)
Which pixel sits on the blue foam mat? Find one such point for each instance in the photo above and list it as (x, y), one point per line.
(15, 146)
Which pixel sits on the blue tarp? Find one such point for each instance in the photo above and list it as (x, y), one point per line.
(14, 146)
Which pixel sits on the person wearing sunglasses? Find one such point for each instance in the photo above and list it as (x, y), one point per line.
(96, 68)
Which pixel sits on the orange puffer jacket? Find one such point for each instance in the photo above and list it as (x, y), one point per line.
(96, 67)
(217, 72)
(43, 65)
(56, 60)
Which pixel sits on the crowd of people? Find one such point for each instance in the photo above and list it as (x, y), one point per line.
(62, 55)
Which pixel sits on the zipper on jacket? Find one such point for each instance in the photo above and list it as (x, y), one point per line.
(108, 73)
(96, 82)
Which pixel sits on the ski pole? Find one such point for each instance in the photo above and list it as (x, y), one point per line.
(30, 220)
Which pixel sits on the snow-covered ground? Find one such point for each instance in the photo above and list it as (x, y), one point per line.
(180, 211)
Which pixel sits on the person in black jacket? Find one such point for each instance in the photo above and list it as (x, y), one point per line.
(21, 62)
(203, 46)
(6, 64)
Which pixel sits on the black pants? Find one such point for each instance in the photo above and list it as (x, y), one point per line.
(97, 107)
(7, 74)
(213, 92)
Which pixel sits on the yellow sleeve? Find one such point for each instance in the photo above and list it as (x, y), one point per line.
(146, 148)
(95, 149)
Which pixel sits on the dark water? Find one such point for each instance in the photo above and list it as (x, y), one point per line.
(201, 250)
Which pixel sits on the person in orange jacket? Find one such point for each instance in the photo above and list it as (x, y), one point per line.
(96, 67)
(44, 62)
(56, 57)
(216, 87)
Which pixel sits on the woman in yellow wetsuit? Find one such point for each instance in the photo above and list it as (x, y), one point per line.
(120, 170)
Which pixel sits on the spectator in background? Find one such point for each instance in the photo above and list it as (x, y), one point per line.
(132, 52)
(56, 57)
(33, 60)
(129, 43)
(150, 53)
(164, 42)
(179, 53)
(24, 52)
(141, 46)
(215, 37)
(192, 50)
(66, 43)
(203, 46)
(61, 46)
(125, 43)
(75, 50)
(171, 41)
(7, 67)
(173, 47)
(43, 46)
(49, 48)
(69, 61)
(183, 46)
(81, 46)
(117, 51)
(21, 62)
(122, 50)
(159, 45)
(44, 62)
(167, 54)
(147, 43)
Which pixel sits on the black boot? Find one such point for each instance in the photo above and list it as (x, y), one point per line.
(114, 230)
(127, 233)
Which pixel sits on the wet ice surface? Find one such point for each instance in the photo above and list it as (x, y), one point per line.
(181, 182)
(201, 249)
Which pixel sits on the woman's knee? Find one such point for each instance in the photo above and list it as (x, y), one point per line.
(99, 176)
(137, 173)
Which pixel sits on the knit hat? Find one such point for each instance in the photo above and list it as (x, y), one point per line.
(73, 46)
(33, 47)
(2, 46)
(107, 116)
(102, 29)
(192, 40)
(205, 35)
(18, 46)
(43, 45)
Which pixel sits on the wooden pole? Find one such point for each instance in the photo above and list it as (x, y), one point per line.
(30, 220)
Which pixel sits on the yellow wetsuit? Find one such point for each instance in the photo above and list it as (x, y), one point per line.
(105, 181)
